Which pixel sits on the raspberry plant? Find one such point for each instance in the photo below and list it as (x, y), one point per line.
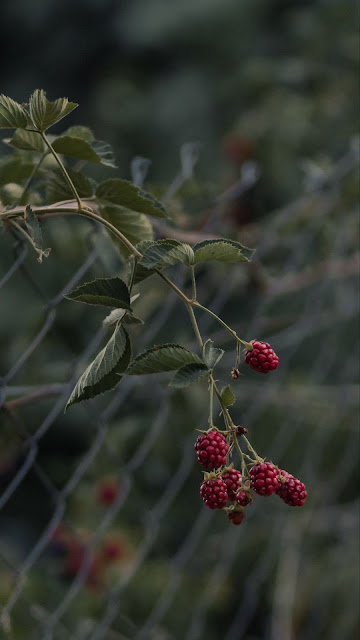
(125, 210)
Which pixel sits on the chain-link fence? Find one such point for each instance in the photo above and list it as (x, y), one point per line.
(103, 534)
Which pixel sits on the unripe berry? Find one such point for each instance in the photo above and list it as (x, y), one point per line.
(291, 490)
(211, 449)
(263, 478)
(214, 493)
(262, 357)
(232, 479)
(236, 517)
(243, 498)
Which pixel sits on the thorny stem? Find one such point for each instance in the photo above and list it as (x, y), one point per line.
(248, 345)
(65, 173)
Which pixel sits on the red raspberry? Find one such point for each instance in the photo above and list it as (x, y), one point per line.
(211, 449)
(243, 498)
(214, 493)
(236, 517)
(263, 478)
(108, 491)
(292, 491)
(262, 358)
(232, 479)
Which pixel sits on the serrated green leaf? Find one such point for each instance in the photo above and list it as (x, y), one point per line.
(126, 194)
(165, 253)
(103, 373)
(57, 188)
(45, 113)
(34, 230)
(211, 354)
(78, 131)
(227, 396)
(108, 292)
(188, 374)
(12, 114)
(222, 250)
(164, 357)
(26, 140)
(89, 150)
(122, 315)
(136, 227)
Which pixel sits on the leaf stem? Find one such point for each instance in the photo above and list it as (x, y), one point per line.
(62, 167)
(248, 345)
(193, 283)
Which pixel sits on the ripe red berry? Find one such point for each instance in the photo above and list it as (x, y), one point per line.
(236, 517)
(292, 491)
(262, 357)
(108, 491)
(243, 498)
(214, 493)
(263, 478)
(211, 449)
(232, 479)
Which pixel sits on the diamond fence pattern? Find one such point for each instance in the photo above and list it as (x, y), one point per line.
(185, 572)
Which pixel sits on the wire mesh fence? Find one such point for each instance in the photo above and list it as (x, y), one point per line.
(115, 481)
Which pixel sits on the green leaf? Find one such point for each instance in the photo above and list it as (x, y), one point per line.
(166, 252)
(211, 354)
(222, 250)
(127, 195)
(188, 374)
(103, 373)
(14, 169)
(34, 230)
(26, 140)
(90, 151)
(12, 114)
(78, 131)
(164, 357)
(108, 292)
(227, 396)
(122, 315)
(134, 226)
(45, 113)
(57, 188)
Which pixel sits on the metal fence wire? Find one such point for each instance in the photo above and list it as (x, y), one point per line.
(149, 561)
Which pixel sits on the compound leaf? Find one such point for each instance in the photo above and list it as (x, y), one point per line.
(188, 374)
(164, 357)
(222, 250)
(103, 373)
(12, 114)
(45, 113)
(108, 292)
(166, 252)
(126, 194)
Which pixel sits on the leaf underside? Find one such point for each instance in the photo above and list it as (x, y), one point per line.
(165, 357)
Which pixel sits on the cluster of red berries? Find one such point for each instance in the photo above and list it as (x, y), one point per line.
(75, 553)
(218, 489)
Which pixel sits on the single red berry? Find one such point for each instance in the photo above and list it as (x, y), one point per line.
(236, 517)
(211, 449)
(262, 357)
(214, 493)
(291, 491)
(243, 498)
(108, 491)
(232, 479)
(263, 478)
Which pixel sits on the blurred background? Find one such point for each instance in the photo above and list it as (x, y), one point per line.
(248, 112)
